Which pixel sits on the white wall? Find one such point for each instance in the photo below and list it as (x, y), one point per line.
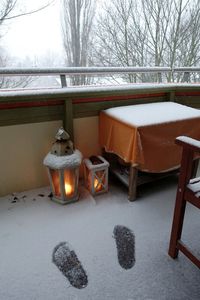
(23, 147)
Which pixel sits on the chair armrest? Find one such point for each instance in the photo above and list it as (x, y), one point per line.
(188, 142)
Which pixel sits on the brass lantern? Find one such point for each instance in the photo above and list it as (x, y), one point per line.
(63, 163)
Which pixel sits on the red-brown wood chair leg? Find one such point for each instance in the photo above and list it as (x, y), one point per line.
(186, 191)
(186, 169)
(177, 225)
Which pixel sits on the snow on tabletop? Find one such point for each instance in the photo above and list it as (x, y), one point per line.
(66, 161)
(189, 141)
(152, 113)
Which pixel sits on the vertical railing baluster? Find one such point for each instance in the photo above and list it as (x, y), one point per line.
(159, 77)
(63, 80)
(186, 77)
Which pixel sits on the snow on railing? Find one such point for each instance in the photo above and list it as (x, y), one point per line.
(186, 71)
(70, 71)
(81, 70)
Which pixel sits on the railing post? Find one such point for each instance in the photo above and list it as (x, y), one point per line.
(171, 75)
(63, 80)
(186, 77)
(171, 96)
(159, 77)
(68, 118)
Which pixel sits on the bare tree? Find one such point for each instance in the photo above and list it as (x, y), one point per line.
(174, 32)
(121, 36)
(77, 22)
(149, 33)
(9, 9)
(184, 47)
(6, 7)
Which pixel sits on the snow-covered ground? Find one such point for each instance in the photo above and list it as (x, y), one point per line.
(31, 226)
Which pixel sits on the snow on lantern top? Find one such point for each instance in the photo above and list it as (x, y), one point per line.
(63, 145)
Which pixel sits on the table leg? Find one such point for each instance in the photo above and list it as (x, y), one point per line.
(132, 183)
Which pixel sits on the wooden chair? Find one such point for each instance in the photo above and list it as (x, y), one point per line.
(188, 190)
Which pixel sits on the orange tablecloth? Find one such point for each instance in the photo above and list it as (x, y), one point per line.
(149, 141)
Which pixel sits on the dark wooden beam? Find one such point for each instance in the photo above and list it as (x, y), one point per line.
(68, 118)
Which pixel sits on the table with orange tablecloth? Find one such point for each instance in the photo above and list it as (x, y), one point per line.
(144, 134)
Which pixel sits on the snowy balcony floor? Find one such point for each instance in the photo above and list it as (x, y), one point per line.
(31, 226)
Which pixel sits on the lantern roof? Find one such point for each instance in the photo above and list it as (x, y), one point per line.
(60, 162)
(62, 135)
(63, 145)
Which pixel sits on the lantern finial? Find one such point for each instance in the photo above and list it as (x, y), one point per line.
(62, 135)
(63, 145)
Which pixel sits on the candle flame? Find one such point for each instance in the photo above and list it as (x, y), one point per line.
(97, 186)
(68, 188)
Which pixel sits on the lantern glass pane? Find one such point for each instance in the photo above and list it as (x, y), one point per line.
(87, 177)
(99, 181)
(89, 180)
(56, 182)
(69, 182)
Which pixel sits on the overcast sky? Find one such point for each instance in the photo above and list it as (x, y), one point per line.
(35, 34)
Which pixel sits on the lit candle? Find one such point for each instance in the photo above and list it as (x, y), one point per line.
(68, 188)
(97, 186)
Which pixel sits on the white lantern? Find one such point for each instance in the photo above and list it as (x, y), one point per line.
(96, 174)
(63, 169)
